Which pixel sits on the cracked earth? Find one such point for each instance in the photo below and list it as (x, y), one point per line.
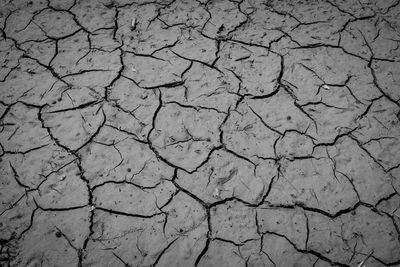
(199, 133)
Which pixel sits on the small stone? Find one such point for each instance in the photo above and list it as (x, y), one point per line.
(216, 193)
(133, 24)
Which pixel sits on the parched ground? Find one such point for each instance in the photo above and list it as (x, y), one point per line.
(199, 133)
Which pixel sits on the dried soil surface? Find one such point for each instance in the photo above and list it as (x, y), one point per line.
(199, 133)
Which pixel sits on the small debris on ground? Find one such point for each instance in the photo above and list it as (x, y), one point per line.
(133, 24)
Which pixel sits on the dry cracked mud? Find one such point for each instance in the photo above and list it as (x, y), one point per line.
(200, 133)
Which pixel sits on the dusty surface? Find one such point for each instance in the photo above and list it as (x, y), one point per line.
(199, 133)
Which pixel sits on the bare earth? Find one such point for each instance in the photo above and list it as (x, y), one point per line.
(199, 133)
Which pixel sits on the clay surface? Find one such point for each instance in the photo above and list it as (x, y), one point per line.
(200, 133)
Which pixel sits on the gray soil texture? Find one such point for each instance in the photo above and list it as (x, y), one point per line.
(200, 133)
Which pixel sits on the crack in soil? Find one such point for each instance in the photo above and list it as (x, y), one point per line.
(199, 133)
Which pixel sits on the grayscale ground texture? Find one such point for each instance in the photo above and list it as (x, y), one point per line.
(199, 133)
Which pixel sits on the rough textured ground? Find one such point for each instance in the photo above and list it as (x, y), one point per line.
(199, 133)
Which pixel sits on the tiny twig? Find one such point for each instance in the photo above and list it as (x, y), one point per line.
(361, 264)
